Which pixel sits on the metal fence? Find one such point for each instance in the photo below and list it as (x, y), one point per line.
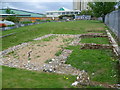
(112, 20)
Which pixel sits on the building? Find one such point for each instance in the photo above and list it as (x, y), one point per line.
(61, 11)
(23, 15)
(80, 5)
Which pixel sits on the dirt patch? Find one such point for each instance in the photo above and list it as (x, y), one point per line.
(38, 53)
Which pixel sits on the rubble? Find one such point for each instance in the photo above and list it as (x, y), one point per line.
(95, 46)
(92, 35)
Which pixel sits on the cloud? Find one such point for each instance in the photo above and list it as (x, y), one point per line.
(38, 7)
(37, 0)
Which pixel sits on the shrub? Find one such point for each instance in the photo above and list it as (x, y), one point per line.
(26, 22)
(10, 25)
(48, 20)
(12, 18)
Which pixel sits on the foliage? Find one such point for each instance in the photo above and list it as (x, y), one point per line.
(12, 18)
(10, 25)
(8, 11)
(72, 16)
(86, 12)
(100, 9)
(118, 5)
(48, 20)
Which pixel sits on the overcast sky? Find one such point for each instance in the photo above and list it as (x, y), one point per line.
(37, 6)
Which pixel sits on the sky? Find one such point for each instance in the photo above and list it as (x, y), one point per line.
(37, 6)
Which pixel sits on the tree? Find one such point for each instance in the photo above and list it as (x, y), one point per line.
(8, 11)
(12, 18)
(86, 12)
(100, 9)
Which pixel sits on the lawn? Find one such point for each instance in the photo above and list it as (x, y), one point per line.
(97, 40)
(27, 33)
(18, 78)
(100, 62)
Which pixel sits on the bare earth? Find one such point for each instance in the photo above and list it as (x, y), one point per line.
(38, 53)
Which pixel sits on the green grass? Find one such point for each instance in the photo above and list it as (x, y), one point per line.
(49, 38)
(59, 52)
(18, 78)
(100, 62)
(49, 60)
(27, 33)
(97, 40)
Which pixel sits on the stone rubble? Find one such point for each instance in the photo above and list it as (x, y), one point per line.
(58, 65)
(95, 46)
(76, 41)
(45, 36)
(90, 35)
(2, 53)
(82, 79)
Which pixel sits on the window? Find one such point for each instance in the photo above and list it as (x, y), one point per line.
(51, 13)
(47, 13)
(72, 13)
(67, 12)
(76, 12)
(63, 13)
(59, 13)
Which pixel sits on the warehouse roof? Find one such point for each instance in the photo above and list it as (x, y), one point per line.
(21, 13)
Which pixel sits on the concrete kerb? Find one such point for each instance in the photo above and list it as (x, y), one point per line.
(116, 48)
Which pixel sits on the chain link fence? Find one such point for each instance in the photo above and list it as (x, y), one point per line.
(112, 20)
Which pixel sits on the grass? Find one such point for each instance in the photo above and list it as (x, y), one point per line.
(49, 60)
(49, 38)
(59, 52)
(101, 62)
(18, 78)
(97, 40)
(27, 33)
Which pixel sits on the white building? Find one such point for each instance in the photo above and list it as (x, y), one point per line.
(62, 11)
(80, 5)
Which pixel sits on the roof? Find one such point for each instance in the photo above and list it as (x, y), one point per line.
(63, 9)
(22, 13)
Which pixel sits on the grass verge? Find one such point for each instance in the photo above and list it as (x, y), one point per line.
(18, 78)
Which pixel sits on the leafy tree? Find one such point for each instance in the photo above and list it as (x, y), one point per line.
(8, 11)
(119, 5)
(100, 9)
(86, 12)
(12, 18)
